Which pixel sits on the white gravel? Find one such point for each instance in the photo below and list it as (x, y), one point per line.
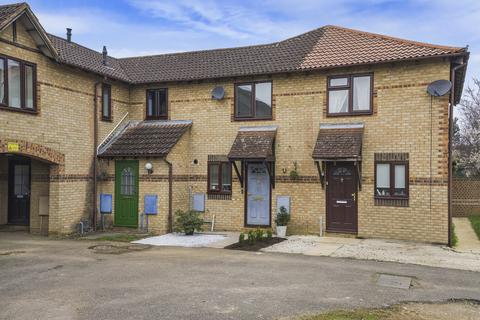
(380, 250)
(181, 240)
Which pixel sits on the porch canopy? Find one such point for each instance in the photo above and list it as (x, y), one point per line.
(338, 142)
(254, 144)
(144, 139)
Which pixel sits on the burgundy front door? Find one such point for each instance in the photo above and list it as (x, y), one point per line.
(341, 197)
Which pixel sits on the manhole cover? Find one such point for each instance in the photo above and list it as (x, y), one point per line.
(393, 281)
(117, 249)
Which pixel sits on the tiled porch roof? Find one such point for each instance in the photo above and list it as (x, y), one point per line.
(339, 141)
(145, 139)
(254, 143)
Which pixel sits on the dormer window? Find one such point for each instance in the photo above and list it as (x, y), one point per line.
(17, 84)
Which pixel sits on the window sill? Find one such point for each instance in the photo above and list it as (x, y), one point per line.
(359, 114)
(252, 119)
(20, 110)
(107, 119)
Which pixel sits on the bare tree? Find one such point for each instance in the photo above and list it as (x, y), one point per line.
(467, 143)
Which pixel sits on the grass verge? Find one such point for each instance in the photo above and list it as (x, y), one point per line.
(454, 237)
(475, 221)
(124, 237)
(374, 314)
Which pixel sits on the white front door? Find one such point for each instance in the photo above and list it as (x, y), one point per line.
(258, 195)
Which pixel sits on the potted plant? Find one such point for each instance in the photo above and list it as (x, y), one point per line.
(188, 221)
(282, 219)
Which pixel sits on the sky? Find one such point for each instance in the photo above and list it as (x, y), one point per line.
(145, 27)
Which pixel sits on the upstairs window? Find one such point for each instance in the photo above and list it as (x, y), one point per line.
(391, 180)
(253, 101)
(219, 178)
(350, 94)
(17, 84)
(106, 102)
(157, 104)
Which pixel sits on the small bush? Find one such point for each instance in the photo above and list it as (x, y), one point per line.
(269, 234)
(283, 217)
(259, 234)
(188, 221)
(454, 239)
(475, 222)
(251, 237)
(241, 238)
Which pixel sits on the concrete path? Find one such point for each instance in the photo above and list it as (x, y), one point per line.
(467, 238)
(379, 250)
(64, 279)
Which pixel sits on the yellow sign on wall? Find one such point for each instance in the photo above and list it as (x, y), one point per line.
(12, 147)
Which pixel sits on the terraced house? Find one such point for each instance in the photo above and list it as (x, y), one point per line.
(335, 124)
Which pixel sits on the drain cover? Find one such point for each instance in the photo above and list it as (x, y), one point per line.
(393, 281)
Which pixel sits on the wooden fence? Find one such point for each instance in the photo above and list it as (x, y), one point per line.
(465, 197)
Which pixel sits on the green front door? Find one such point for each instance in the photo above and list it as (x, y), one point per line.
(126, 193)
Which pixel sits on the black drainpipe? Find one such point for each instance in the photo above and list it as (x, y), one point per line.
(450, 137)
(170, 195)
(95, 142)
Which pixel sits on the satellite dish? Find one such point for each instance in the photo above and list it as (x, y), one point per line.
(439, 88)
(218, 93)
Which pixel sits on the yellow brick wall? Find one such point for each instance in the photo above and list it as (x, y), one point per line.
(400, 123)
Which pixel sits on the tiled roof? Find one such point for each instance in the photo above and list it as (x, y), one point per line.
(339, 141)
(9, 11)
(254, 143)
(79, 56)
(145, 139)
(326, 47)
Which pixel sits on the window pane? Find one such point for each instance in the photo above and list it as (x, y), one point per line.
(214, 177)
(383, 179)
(162, 102)
(2, 80)
(150, 102)
(263, 100)
(400, 180)
(226, 177)
(29, 87)
(105, 102)
(338, 101)
(244, 100)
(336, 82)
(14, 84)
(361, 93)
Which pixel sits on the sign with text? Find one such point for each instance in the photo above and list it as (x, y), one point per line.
(12, 147)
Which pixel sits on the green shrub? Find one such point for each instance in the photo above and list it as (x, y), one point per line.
(283, 217)
(259, 234)
(251, 237)
(241, 238)
(188, 221)
(269, 234)
(475, 222)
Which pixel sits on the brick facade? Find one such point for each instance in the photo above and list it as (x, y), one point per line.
(403, 118)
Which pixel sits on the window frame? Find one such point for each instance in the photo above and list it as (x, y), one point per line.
(4, 104)
(221, 165)
(392, 165)
(108, 118)
(349, 87)
(159, 117)
(253, 113)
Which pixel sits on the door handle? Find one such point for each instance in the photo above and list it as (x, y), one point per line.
(354, 196)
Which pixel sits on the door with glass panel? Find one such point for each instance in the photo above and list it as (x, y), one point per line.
(126, 193)
(19, 192)
(258, 195)
(341, 197)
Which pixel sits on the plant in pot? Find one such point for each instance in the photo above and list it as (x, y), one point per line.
(281, 220)
(188, 221)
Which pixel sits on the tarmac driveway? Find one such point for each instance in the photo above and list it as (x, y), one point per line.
(64, 279)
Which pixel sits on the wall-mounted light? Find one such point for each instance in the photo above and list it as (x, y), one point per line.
(149, 167)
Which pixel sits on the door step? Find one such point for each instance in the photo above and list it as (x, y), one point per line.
(340, 234)
(10, 227)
